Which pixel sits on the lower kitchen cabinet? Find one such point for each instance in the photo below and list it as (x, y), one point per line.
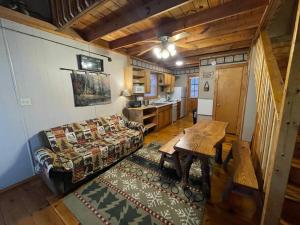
(164, 116)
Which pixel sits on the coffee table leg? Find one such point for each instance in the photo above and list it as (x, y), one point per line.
(206, 177)
(218, 157)
(186, 170)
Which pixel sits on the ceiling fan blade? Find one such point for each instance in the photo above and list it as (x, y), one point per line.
(185, 46)
(152, 41)
(145, 51)
(179, 36)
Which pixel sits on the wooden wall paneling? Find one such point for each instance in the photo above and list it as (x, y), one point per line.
(263, 113)
(270, 147)
(242, 101)
(285, 137)
(266, 111)
(256, 72)
(259, 84)
(268, 126)
(273, 70)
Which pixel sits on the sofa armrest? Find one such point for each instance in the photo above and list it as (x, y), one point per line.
(135, 126)
(47, 160)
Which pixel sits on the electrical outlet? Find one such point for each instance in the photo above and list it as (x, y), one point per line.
(25, 101)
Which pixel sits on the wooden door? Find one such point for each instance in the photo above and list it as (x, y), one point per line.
(228, 97)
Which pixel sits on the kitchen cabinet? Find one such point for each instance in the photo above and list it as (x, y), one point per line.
(170, 83)
(164, 116)
(134, 76)
(146, 115)
(147, 81)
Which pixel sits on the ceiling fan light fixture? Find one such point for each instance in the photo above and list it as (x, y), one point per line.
(173, 52)
(165, 54)
(171, 47)
(179, 63)
(156, 50)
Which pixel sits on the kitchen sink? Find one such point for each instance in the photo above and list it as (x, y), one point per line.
(159, 103)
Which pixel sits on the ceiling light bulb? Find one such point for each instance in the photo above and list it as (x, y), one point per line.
(158, 55)
(173, 52)
(171, 47)
(156, 50)
(179, 63)
(165, 54)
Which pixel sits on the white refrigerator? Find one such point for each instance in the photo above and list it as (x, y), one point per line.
(180, 94)
(206, 90)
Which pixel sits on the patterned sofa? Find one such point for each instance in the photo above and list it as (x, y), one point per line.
(77, 150)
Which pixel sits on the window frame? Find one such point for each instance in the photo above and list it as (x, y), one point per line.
(155, 96)
(190, 87)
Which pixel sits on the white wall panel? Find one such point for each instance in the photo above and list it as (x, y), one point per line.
(37, 57)
(15, 161)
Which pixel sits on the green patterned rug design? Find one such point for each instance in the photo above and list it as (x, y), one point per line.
(135, 191)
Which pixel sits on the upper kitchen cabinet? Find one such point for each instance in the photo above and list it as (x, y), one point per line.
(168, 81)
(137, 81)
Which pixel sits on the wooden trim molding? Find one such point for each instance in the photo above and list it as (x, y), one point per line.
(35, 177)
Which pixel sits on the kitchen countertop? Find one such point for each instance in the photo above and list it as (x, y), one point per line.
(152, 106)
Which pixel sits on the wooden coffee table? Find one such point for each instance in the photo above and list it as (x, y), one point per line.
(204, 141)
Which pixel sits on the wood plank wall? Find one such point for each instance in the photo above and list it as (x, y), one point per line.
(269, 86)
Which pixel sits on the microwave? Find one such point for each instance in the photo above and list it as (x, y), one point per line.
(138, 89)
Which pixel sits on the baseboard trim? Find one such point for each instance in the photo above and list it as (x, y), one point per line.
(27, 180)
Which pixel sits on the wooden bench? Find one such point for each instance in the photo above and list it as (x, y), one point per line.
(244, 178)
(169, 154)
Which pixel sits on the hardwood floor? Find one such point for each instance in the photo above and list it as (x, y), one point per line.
(32, 203)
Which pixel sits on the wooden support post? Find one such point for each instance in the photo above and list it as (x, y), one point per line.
(285, 137)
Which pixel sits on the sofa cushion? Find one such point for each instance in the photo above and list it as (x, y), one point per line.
(82, 132)
(57, 139)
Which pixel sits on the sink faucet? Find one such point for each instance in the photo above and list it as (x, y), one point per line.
(168, 97)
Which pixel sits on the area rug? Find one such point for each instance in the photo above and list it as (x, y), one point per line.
(136, 191)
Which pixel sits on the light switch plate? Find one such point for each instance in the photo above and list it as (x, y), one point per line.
(25, 101)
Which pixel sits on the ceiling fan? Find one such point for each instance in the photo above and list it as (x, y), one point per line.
(166, 45)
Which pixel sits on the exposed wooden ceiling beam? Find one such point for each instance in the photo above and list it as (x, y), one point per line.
(216, 49)
(128, 15)
(230, 25)
(224, 39)
(190, 57)
(203, 17)
(239, 39)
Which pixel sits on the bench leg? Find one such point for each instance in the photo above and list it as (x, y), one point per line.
(162, 160)
(218, 158)
(259, 203)
(177, 163)
(228, 189)
(226, 161)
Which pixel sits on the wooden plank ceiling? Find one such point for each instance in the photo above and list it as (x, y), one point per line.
(134, 26)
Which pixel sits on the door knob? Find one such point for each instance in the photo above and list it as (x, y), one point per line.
(218, 105)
